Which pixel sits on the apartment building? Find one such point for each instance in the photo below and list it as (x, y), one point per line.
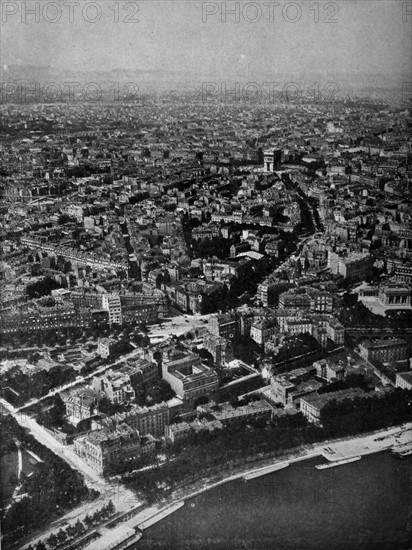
(356, 266)
(107, 347)
(286, 388)
(79, 404)
(329, 370)
(115, 386)
(404, 380)
(146, 371)
(384, 349)
(223, 325)
(299, 326)
(335, 331)
(146, 420)
(42, 319)
(261, 330)
(220, 348)
(291, 300)
(112, 304)
(311, 406)
(105, 448)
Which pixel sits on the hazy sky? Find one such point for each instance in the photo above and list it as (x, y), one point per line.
(369, 37)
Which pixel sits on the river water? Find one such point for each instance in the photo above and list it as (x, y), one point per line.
(361, 505)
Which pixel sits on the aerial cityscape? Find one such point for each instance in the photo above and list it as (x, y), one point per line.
(206, 275)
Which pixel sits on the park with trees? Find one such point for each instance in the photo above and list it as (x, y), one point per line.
(50, 491)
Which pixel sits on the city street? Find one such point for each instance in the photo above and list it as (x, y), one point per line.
(122, 498)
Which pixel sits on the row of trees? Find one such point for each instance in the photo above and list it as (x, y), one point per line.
(72, 532)
(206, 453)
(366, 413)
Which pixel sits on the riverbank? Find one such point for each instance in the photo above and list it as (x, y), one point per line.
(364, 504)
(335, 450)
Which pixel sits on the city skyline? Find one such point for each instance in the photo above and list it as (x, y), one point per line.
(198, 40)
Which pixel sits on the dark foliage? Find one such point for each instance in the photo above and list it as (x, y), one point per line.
(204, 453)
(42, 287)
(37, 385)
(52, 488)
(363, 414)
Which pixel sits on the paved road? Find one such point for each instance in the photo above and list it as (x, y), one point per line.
(80, 379)
(122, 498)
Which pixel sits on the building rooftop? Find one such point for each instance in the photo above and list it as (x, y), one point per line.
(407, 376)
(319, 400)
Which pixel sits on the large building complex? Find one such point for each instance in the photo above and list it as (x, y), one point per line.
(355, 267)
(105, 448)
(146, 420)
(189, 379)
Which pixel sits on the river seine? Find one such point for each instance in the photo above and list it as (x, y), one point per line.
(360, 505)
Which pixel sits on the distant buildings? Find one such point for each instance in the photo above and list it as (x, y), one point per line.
(311, 300)
(272, 159)
(41, 318)
(355, 267)
(126, 244)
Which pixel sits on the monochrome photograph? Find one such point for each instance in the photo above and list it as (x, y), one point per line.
(206, 275)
